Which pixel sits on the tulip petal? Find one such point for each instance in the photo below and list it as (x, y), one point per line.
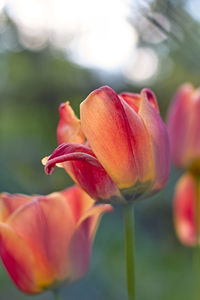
(159, 140)
(70, 151)
(178, 123)
(81, 243)
(79, 254)
(137, 163)
(132, 99)
(151, 98)
(48, 234)
(78, 201)
(69, 129)
(93, 216)
(106, 127)
(183, 209)
(80, 162)
(18, 259)
(9, 203)
(192, 150)
(141, 145)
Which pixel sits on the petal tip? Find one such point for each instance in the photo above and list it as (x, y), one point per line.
(151, 97)
(49, 168)
(107, 89)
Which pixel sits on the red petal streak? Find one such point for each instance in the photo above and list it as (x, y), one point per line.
(141, 145)
(132, 100)
(151, 98)
(84, 168)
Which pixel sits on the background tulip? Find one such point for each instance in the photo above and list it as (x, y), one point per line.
(126, 155)
(184, 128)
(184, 210)
(46, 240)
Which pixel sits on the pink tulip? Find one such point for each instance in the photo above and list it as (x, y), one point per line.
(184, 128)
(184, 207)
(46, 240)
(126, 156)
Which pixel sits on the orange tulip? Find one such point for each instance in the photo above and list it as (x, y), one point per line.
(184, 128)
(184, 207)
(47, 240)
(126, 156)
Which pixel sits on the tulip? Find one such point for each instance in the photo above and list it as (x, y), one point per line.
(184, 210)
(184, 128)
(46, 240)
(118, 151)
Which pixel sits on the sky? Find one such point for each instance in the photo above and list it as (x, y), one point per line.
(95, 34)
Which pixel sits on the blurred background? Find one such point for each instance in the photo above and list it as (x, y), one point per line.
(57, 50)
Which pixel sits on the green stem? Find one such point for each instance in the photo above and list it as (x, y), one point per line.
(129, 242)
(57, 294)
(197, 246)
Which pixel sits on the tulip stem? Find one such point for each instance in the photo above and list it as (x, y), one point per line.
(129, 244)
(57, 294)
(197, 246)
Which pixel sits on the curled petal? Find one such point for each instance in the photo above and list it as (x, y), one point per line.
(80, 162)
(93, 215)
(67, 152)
(69, 129)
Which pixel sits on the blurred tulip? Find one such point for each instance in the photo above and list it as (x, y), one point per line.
(126, 156)
(184, 210)
(184, 128)
(46, 240)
